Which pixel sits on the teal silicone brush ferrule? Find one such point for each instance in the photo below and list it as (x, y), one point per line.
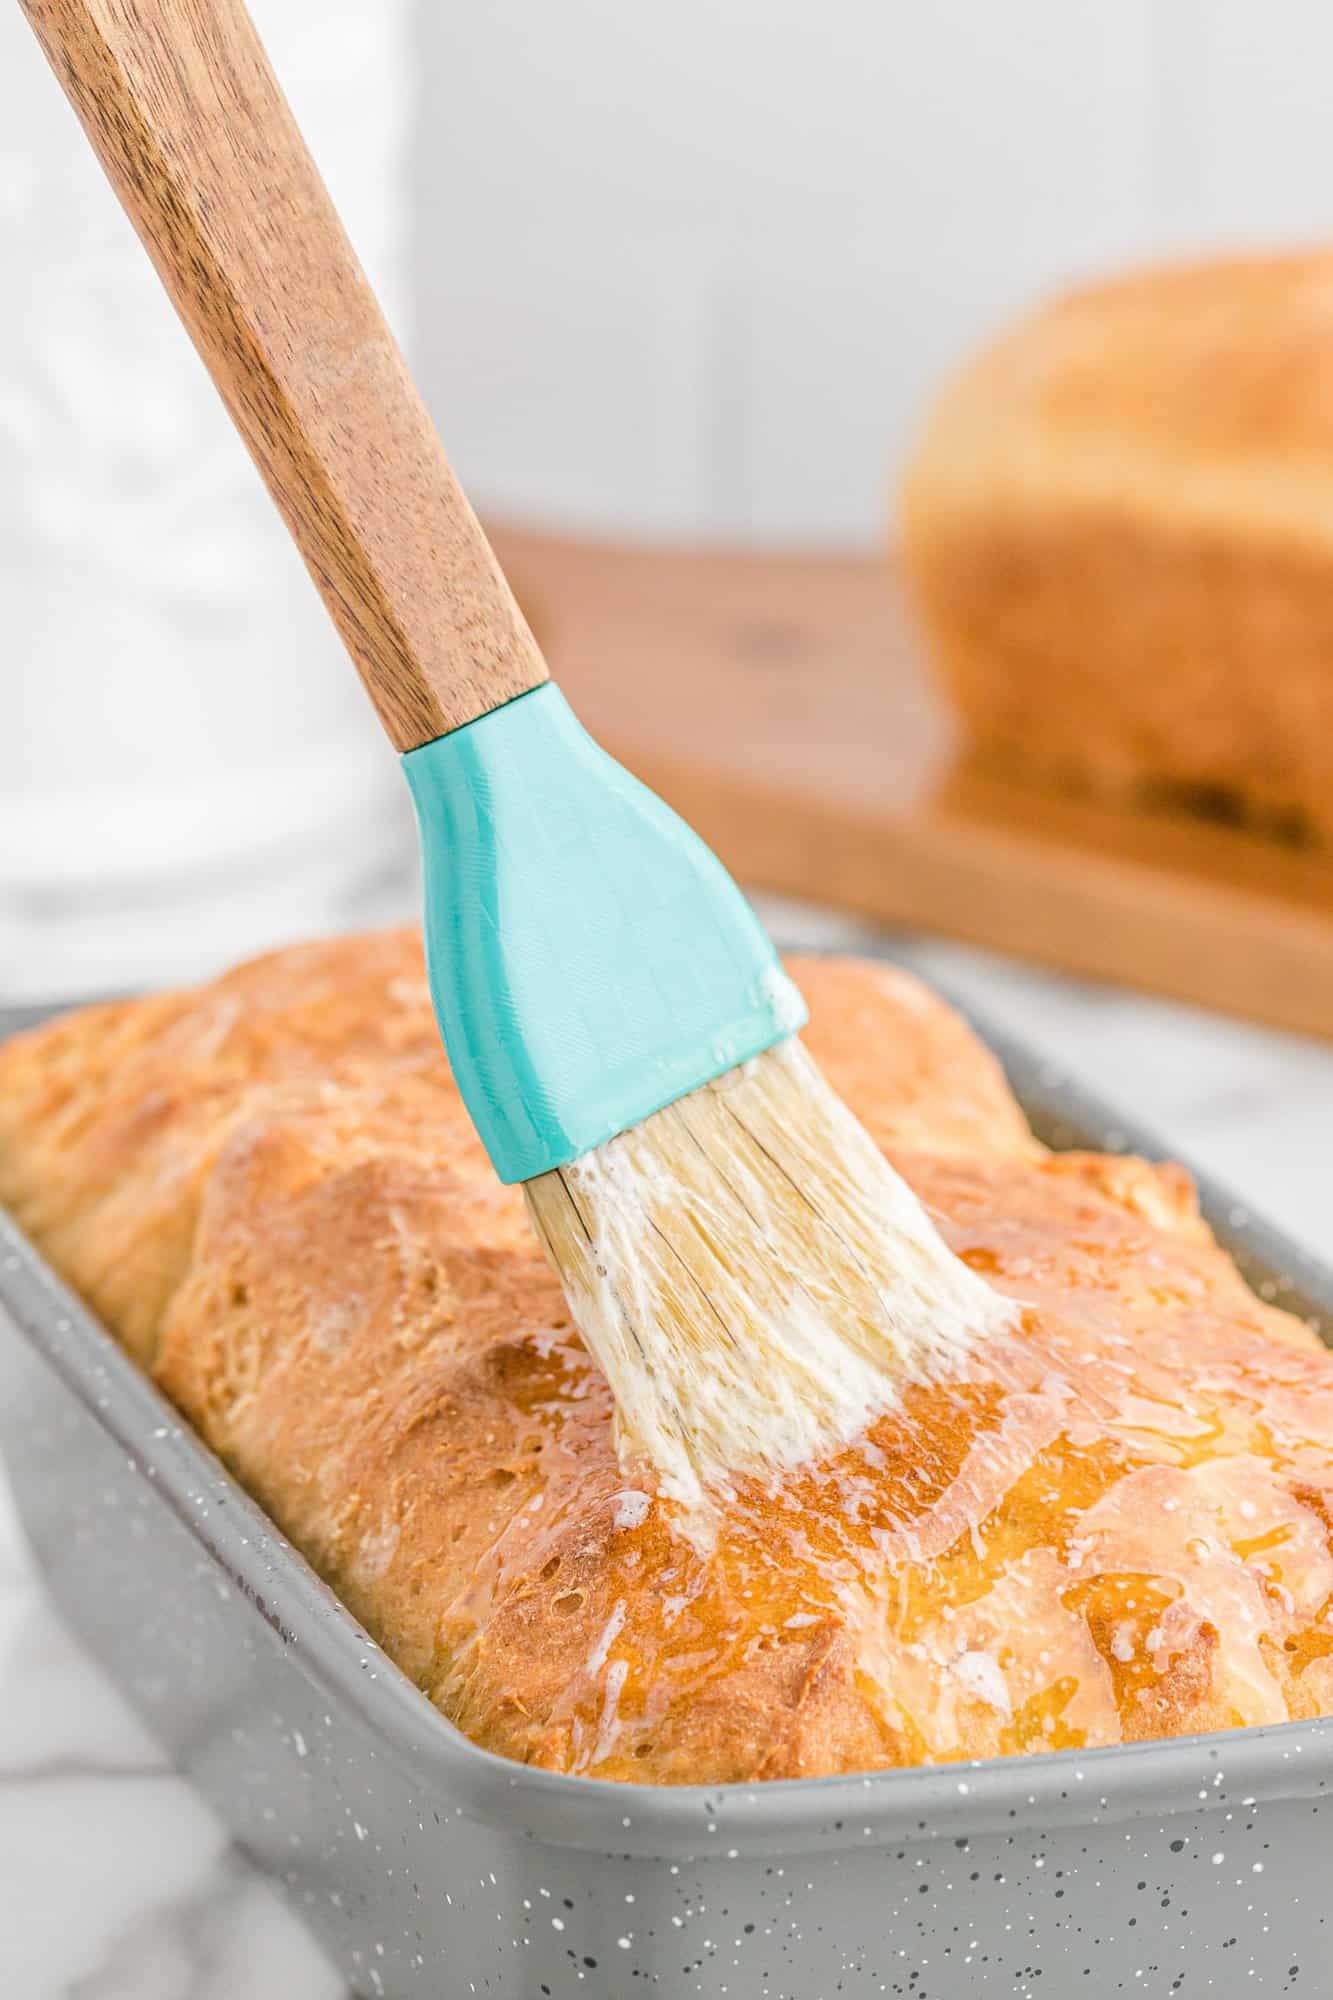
(590, 959)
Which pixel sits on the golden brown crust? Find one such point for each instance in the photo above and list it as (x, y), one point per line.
(1119, 1525)
(1119, 529)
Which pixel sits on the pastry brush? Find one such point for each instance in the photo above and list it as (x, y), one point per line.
(754, 1278)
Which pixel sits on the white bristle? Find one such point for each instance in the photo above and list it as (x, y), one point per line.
(754, 1278)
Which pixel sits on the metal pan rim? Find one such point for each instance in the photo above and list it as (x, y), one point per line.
(1118, 1782)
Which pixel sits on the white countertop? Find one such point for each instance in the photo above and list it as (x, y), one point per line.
(117, 1883)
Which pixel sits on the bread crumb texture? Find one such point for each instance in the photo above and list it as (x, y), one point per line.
(1115, 1523)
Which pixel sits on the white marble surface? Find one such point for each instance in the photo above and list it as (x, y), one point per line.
(116, 1883)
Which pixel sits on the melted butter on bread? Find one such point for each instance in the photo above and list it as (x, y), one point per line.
(1110, 1522)
(754, 1278)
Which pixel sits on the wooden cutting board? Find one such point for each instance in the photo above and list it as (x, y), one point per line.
(829, 769)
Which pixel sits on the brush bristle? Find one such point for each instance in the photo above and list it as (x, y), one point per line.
(753, 1277)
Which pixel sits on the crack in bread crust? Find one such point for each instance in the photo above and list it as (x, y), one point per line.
(1115, 1523)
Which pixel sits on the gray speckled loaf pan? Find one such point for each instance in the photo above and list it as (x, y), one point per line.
(428, 1867)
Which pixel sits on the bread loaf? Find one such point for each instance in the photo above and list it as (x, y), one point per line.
(1118, 529)
(1116, 1525)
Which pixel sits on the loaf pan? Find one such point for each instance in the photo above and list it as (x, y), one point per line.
(429, 1867)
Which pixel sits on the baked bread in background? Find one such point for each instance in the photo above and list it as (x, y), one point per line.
(1115, 1524)
(1118, 530)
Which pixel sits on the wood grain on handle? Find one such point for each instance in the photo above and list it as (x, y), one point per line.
(183, 110)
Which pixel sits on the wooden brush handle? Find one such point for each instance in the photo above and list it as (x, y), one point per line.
(198, 141)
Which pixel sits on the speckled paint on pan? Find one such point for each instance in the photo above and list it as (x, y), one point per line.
(1195, 1866)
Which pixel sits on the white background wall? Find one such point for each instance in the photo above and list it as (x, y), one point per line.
(693, 267)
